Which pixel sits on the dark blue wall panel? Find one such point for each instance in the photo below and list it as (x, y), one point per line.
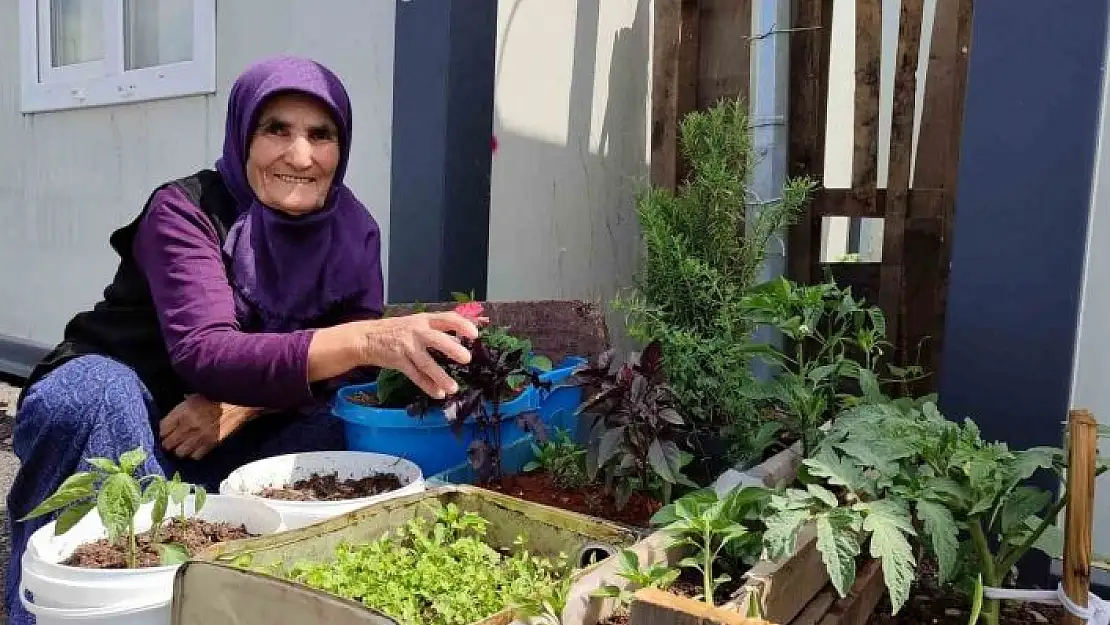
(442, 125)
(1027, 154)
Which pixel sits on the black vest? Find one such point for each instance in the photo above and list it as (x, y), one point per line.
(124, 325)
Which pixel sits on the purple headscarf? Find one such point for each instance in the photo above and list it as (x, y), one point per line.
(293, 269)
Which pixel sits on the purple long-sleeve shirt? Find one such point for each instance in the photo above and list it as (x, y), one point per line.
(178, 250)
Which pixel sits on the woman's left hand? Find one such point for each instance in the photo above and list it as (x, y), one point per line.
(197, 425)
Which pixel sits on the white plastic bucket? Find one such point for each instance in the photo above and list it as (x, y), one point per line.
(284, 470)
(69, 594)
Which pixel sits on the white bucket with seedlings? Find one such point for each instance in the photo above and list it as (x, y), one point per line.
(310, 487)
(116, 572)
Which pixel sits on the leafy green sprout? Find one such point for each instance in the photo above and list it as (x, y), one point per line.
(112, 489)
(438, 569)
(659, 576)
(562, 458)
(711, 526)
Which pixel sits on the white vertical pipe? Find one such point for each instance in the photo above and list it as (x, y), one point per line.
(769, 104)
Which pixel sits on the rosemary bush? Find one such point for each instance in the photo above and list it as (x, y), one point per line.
(703, 252)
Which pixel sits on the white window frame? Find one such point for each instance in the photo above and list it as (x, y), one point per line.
(105, 82)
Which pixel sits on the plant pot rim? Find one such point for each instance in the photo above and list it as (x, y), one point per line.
(142, 524)
(400, 419)
(407, 471)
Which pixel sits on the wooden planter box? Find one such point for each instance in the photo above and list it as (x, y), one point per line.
(657, 607)
(793, 591)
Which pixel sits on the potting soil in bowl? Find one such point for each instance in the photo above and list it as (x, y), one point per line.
(58, 588)
(309, 487)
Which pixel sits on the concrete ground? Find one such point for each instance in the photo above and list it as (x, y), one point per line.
(8, 466)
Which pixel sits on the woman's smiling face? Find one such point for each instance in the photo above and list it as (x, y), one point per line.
(293, 154)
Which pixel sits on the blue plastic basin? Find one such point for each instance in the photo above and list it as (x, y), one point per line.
(429, 440)
(560, 397)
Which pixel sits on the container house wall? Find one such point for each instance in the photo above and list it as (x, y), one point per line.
(69, 178)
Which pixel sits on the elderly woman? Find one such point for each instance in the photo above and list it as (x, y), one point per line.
(242, 296)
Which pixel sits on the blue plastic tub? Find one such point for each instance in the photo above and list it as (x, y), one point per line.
(513, 456)
(560, 397)
(429, 440)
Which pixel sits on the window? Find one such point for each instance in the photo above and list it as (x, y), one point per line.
(82, 53)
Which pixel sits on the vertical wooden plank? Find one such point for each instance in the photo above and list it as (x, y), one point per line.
(869, 36)
(1082, 452)
(938, 145)
(674, 85)
(892, 281)
(724, 68)
(927, 248)
(809, 95)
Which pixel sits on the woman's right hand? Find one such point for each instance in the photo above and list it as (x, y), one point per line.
(404, 343)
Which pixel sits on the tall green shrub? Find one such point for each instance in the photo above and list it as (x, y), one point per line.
(704, 249)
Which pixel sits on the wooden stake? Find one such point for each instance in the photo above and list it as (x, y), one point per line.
(1082, 446)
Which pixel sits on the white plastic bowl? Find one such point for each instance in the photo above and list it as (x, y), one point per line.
(68, 594)
(249, 480)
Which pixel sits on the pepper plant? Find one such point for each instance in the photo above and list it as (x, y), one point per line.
(658, 576)
(116, 494)
(711, 527)
(834, 347)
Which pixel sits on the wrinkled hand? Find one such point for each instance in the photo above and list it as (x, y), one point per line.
(403, 343)
(195, 426)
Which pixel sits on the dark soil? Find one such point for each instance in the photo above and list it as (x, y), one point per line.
(931, 604)
(689, 584)
(329, 488)
(194, 535)
(540, 487)
(363, 398)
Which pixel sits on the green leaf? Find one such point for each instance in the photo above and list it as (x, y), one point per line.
(172, 553)
(822, 493)
(541, 362)
(131, 460)
(199, 497)
(530, 466)
(869, 385)
(157, 492)
(889, 524)
(781, 534)
(1051, 542)
(879, 453)
(71, 516)
(75, 488)
(104, 465)
(1023, 502)
(629, 560)
(118, 502)
(818, 374)
(838, 471)
(838, 546)
(943, 535)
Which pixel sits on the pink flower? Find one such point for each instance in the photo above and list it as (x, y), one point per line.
(470, 310)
